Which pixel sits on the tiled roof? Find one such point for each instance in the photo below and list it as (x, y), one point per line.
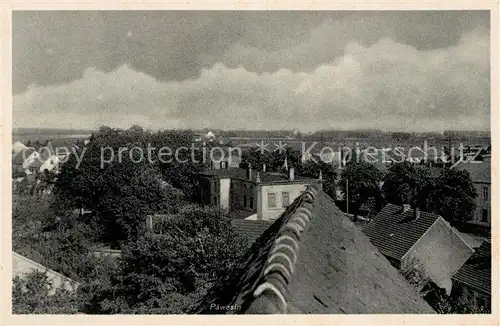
(312, 259)
(476, 272)
(479, 172)
(252, 229)
(394, 232)
(265, 177)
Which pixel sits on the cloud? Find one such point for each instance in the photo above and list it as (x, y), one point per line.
(387, 85)
(56, 47)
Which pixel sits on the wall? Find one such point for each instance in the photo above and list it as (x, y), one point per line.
(224, 189)
(482, 203)
(294, 191)
(441, 251)
(239, 189)
(22, 265)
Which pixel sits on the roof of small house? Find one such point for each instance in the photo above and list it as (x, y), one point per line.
(394, 232)
(252, 229)
(18, 147)
(312, 259)
(476, 272)
(479, 172)
(37, 163)
(265, 177)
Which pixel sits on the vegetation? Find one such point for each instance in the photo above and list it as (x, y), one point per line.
(451, 195)
(456, 303)
(360, 182)
(407, 183)
(454, 196)
(35, 294)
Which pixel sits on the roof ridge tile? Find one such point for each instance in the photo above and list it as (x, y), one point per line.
(293, 224)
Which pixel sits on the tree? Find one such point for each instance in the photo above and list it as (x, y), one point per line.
(454, 196)
(168, 269)
(33, 295)
(363, 181)
(181, 170)
(407, 183)
(116, 181)
(329, 174)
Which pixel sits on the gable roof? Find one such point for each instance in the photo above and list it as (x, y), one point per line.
(394, 232)
(252, 229)
(313, 259)
(479, 172)
(476, 272)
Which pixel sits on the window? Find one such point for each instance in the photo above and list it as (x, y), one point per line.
(244, 201)
(484, 215)
(250, 202)
(485, 193)
(271, 200)
(286, 199)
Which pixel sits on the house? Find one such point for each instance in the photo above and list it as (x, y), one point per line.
(249, 193)
(480, 174)
(410, 236)
(473, 279)
(312, 260)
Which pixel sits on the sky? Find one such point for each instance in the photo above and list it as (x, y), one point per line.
(399, 70)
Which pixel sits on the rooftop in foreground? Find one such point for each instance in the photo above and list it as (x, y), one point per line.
(313, 260)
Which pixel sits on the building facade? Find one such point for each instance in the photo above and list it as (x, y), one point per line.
(248, 193)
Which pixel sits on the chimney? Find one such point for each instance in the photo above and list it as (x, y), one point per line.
(416, 213)
(149, 222)
(264, 167)
(291, 174)
(406, 207)
(249, 171)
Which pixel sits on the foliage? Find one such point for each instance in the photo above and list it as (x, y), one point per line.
(456, 303)
(454, 196)
(407, 183)
(167, 270)
(35, 294)
(363, 181)
(60, 243)
(121, 189)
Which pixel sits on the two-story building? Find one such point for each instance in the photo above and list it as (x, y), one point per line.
(251, 194)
